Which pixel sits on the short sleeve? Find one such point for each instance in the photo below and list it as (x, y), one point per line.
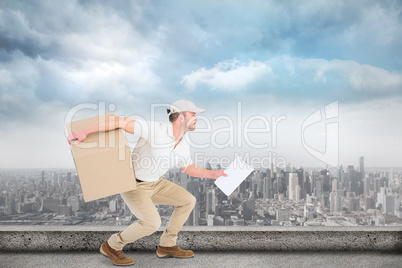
(141, 129)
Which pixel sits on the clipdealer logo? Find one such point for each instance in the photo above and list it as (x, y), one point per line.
(328, 116)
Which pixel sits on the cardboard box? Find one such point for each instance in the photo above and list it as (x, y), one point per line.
(103, 160)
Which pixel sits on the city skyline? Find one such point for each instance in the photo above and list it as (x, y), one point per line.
(260, 59)
(346, 196)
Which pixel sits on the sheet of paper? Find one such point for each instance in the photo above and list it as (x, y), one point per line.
(237, 172)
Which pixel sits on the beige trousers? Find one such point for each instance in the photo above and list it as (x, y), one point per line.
(141, 202)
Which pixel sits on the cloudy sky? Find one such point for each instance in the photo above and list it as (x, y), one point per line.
(248, 63)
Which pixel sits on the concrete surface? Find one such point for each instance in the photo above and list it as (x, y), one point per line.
(207, 259)
(262, 238)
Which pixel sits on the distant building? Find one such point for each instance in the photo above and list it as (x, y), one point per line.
(361, 167)
(210, 201)
(65, 210)
(74, 202)
(10, 204)
(248, 209)
(50, 204)
(294, 187)
(385, 202)
(113, 205)
(283, 214)
(335, 201)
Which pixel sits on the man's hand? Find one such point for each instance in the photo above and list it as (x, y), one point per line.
(196, 171)
(216, 174)
(79, 135)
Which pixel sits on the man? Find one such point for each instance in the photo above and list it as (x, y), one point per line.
(160, 147)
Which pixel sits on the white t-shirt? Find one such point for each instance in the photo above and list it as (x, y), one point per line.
(154, 153)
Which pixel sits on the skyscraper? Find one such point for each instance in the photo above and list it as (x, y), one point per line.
(335, 202)
(248, 209)
(361, 165)
(183, 180)
(366, 186)
(334, 185)
(294, 191)
(386, 201)
(210, 201)
(318, 188)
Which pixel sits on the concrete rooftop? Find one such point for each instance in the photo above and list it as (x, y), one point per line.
(207, 259)
(77, 246)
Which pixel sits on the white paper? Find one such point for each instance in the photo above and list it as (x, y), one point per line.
(237, 172)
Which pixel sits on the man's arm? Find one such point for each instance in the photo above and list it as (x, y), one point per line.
(125, 123)
(196, 171)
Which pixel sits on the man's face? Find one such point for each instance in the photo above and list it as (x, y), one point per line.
(190, 119)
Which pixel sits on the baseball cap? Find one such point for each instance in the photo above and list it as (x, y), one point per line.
(184, 106)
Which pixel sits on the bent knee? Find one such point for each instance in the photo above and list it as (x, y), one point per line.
(191, 200)
(152, 225)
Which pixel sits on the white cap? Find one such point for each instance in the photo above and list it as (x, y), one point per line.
(184, 106)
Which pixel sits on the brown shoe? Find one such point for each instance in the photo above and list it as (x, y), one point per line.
(173, 252)
(117, 256)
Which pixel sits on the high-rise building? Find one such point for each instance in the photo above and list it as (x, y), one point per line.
(335, 202)
(43, 177)
(268, 188)
(183, 180)
(341, 177)
(318, 188)
(302, 182)
(354, 179)
(248, 209)
(366, 186)
(10, 204)
(294, 187)
(361, 166)
(334, 185)
(386, 201)
(196, 214)
(210, 201)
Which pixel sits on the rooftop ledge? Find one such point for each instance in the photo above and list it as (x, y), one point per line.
(200, 238)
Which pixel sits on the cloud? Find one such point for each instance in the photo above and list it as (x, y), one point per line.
(63, 51)
(353, 75)
(272, 56)
(298, 78)
(229, 75)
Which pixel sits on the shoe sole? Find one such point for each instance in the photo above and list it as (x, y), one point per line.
(107, 256)
(171, 256)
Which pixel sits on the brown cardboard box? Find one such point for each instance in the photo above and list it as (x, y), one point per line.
(103, 160)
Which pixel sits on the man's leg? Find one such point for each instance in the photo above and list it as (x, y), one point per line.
(169, 193)
(140, 204)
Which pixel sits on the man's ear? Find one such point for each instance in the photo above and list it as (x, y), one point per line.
(181, 117)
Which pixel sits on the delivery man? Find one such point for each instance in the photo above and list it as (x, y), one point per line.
(160, 147)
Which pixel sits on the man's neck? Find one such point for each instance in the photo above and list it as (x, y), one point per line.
(178, 132)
